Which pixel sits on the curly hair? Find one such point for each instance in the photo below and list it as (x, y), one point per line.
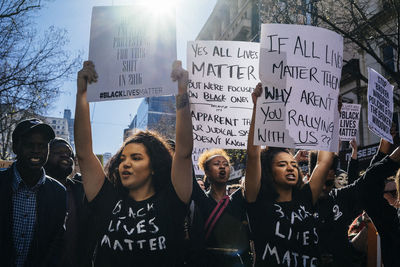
(268, 190)
(206, 156)
(160, 156)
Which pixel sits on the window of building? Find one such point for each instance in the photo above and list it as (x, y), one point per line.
(385, 4)
(54, 122)
(388, 56)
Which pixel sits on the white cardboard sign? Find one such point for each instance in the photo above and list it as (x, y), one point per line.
(133, 53)
(300, 69)
(222, 76)
(349, 118)
(380, 105)
(195, 159)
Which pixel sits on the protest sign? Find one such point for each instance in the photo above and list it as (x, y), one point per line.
(222, 76)
(195, 159)
(349, 118)
(300, 69)
(133, 53)
(380, 105)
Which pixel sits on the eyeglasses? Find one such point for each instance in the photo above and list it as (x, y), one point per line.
(392, 192)
(329, 183)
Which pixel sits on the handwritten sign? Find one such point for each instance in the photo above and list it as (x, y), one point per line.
(380, 105)
(300, 69)
(195, 159)
(222, 76)
(349, 118)
(133, 52)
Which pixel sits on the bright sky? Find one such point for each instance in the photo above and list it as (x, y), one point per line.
(110, 118)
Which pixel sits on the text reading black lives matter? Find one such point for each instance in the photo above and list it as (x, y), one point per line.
(221, 96)
(313, 129)
(349, 123)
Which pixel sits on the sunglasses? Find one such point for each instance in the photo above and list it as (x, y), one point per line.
(392, 192)
(329, 183)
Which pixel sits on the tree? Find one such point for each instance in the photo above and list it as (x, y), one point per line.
(366, 25)
(238, 158)
(32, 66)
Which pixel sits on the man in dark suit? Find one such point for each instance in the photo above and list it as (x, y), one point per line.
(32, 205)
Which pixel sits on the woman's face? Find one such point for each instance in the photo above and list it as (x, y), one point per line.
(218, 170)
(284, 170)
(134, 168)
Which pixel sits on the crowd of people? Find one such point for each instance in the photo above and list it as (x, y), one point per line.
(146, 207)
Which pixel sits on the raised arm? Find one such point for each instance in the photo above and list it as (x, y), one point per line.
(352, 166)
(318, 176)
(92, 172)
(385, 147)
(181, 173)
(253, 166)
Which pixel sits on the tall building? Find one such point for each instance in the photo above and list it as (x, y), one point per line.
(60, 127)
(67, 116)
(236, 20)
(155, 113)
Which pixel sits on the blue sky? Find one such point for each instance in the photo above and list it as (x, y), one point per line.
(110, 118)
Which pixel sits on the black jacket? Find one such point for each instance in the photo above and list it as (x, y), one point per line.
(86, 234)
(47, 242)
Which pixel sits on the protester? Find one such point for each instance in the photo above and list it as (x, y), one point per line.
(142, 202)
(224, 216)
(337, 208)
(79, 243)
(201, 184)
(352, 166)
(280, 207)
(33, 205)
(384, 216)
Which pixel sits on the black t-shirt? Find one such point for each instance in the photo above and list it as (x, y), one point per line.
(285, 233)
(336, 213)
(230, 231)
(382, 214)
(343, 205)
(138, 233)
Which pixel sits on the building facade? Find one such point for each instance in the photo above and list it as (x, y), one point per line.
(155, 113)
(236, 20)
(67, 116)
(60, 126)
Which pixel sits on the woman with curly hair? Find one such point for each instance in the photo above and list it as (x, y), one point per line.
(224, 216)
(280, 207)
(139, 202)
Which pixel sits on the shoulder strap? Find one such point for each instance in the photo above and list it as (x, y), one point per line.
(214, 216)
